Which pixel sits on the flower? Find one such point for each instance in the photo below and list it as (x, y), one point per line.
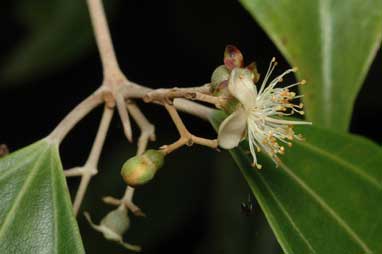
(258, 114)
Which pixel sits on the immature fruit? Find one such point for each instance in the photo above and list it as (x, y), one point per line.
(140, 169)
(114, 225)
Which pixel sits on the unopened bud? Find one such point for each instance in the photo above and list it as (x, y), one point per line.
(140, 169)
(233, 57)
(255, 74)
(220, 74)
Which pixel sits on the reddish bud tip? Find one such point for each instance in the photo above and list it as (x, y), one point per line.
(233, 57)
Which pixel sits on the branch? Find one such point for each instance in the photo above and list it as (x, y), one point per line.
(90, 168)
(103, 37)
(147, 129)
(186, 138)
(122, 110)
(192, 93)
(116, 89)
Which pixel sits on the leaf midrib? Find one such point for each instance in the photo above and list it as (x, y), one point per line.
(326, 57)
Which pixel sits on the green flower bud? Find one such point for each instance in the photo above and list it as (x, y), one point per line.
(220, 74)
(140, 169)
(233, 57)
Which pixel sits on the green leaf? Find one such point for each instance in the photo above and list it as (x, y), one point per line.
(36, 214)
(331, 42)
(58, 33)
(325, 197)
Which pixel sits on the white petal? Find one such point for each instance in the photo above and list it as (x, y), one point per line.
(231, 129)
(241, 86)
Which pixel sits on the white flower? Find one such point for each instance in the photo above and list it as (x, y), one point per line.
(258, 115)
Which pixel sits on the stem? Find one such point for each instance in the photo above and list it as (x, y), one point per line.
(147, 129)
(85, 179)
(103, 38)
(194, 109)
(186, 138)
(124, 115)
(187, 106)
(100, 137)
(90, 167)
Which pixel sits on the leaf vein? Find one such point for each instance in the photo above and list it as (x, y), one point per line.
(285, 212)
(341, 222)
(343, 162)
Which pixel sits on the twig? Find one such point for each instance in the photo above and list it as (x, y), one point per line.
(147, 129)
(191, 93)
(122, 110)
(186, 138)
(90, 168)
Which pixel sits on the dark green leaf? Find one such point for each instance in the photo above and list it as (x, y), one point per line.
(331, 42)
(36, 214)
(325, 197)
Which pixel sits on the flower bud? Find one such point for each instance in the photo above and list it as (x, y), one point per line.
(220, 74)
(233, 57)
(113, 226)
(255, 74)
(140, 169)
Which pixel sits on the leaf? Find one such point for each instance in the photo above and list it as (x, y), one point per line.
(36, 214)
(58, 33)
(326, 195)
(331, 42)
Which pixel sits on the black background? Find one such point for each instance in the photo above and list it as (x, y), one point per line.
(158, 44)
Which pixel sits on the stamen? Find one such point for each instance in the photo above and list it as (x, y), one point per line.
(271, 67)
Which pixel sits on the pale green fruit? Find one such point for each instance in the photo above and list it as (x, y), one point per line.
(140, 169)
